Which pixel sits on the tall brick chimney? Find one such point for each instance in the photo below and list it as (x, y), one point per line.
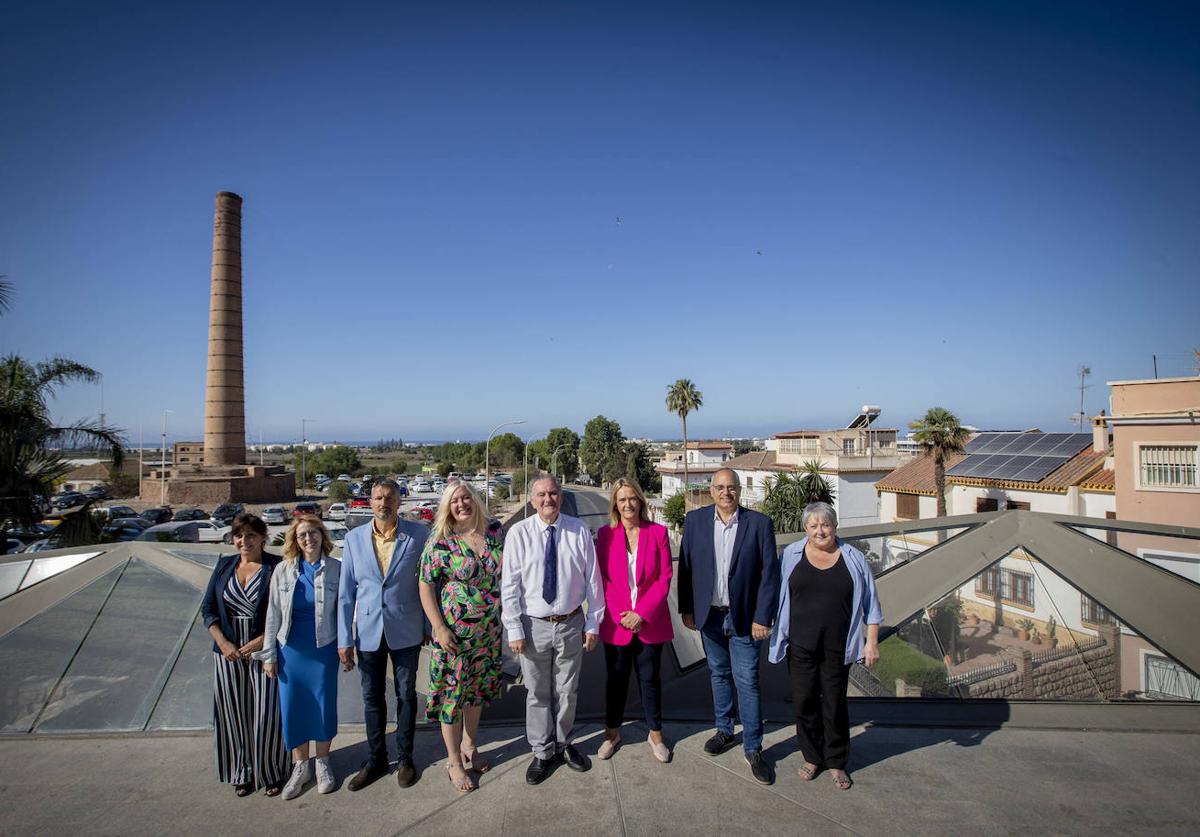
(225, 399)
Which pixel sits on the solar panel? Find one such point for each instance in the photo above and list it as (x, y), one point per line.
(1037, 469)
(1020, 443)
(1072, 444)
(1019, 457)
(976, 444)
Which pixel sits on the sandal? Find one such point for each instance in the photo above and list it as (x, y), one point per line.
(244, 789)
(273, 789)
(476, 762)
(462, 784)
(808, 771)
(841, 778)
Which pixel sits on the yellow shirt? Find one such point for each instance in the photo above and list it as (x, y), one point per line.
(385, 545)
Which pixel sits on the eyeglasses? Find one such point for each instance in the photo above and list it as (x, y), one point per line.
(309, 533)
(727, 489)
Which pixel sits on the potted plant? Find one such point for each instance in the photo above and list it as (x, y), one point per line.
(1036, 637)
(1024, 626)
(1051, 627)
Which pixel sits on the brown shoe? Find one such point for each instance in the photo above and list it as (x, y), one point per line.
(406, 773)
(366, 774)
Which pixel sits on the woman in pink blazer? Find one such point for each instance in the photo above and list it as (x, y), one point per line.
(635, 562)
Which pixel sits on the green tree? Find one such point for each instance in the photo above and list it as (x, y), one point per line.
(399, 467)
(939, 434)
(788, 494)
(338, 492)
(633, 463)
(603, 442)
(507, 450)
(333, 461)
(684, 398)
(674, 512)
(444, 469)
(743, 446)
(30, 441)
(565, 442)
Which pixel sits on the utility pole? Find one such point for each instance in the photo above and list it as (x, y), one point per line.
(141, 459)
(303, 446)
(162, 465)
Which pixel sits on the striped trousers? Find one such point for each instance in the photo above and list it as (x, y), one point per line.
(247, 724)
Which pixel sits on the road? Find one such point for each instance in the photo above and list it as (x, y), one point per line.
(588, 504)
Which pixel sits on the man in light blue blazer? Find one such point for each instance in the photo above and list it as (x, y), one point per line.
(378, 596)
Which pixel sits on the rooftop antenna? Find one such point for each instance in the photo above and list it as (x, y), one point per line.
(1081, 416)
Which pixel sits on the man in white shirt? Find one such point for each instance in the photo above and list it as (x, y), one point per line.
(552, 606)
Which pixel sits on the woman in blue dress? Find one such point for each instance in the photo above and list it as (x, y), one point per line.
(300, 648)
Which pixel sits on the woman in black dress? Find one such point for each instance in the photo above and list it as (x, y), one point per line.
(247, 726)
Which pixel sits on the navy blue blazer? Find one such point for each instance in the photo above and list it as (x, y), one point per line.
(212, 606)
(753, 573)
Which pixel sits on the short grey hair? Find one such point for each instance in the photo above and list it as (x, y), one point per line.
(736, 479)
(543, 477)
(818, 509)
(386, 482)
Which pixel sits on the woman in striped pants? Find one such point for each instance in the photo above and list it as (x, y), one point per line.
(246, 719)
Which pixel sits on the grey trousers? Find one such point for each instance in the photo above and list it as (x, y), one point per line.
(550, 666)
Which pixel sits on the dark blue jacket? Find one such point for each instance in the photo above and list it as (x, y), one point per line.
(753, 572)
(212, 607)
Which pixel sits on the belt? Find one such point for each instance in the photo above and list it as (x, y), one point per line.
(720, 609)
(563, 618)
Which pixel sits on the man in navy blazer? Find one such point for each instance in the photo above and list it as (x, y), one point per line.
(728, 590)
(378, 595)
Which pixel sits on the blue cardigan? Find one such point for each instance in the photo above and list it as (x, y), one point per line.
(864, 607)
(212, 606)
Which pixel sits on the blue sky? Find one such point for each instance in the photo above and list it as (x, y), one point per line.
(904, 204)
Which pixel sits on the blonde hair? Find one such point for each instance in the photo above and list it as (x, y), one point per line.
(291, 544)
(614, 515)
(443, 520)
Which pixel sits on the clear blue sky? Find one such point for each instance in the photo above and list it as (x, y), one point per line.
(956, 204)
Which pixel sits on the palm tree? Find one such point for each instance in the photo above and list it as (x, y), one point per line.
(683, 398)
(30, 442)
(940, 434)
(788, 494)
(6, 293)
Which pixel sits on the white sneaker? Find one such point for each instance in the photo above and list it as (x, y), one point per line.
(325, 781)
(302, 774)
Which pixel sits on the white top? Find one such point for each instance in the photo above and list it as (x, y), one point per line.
(578, 574)
(631, 556)
(724, 535)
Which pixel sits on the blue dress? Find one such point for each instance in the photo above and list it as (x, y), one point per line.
(307, 674)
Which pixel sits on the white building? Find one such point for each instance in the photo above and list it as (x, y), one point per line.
(703, 460)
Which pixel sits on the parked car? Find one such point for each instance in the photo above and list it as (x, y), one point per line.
(337, 533)
(336, 511)
(124, 529)
(29, 534)
(158, 515)
(68, 500)
(226, 512)
(192, 513)
(276, 515)
(302, 509)
(118, 512)
(179, 531)
(360, 503)
(210, 531)
(12, 546)
(97, 492)
(423, 513)
(44, 545)
(344, 477)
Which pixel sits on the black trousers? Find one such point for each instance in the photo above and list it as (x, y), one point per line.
(619, 661)
(819, 682)
(372, 669)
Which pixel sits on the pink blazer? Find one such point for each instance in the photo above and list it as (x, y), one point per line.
(652, 571)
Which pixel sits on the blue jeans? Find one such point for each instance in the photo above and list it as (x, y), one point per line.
(733, 662)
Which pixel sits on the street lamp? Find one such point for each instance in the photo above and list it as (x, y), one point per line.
(554, 456)
(487, 465)
(303, 446)
(162, 465)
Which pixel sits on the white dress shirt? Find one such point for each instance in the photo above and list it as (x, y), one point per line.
(523, 568)
(724, 535)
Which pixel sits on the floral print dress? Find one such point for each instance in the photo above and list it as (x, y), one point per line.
(469, 590)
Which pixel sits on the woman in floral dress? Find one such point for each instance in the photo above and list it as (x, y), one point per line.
(460, 592)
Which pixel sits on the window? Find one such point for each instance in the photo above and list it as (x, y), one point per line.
(1014, 587)
(1016, 504)
(1168, 466)
(1094, 613)
(908, 506)
(847, 447)
(987, 504)
(749, 482)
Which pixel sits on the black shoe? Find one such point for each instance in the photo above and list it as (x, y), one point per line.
(575, 760)
(538, 770)
(406, 773)
(718, 744)
(366, 774)
(760, 768)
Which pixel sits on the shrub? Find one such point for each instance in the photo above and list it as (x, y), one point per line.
(339, 492)
(673, 511)
(900, 661)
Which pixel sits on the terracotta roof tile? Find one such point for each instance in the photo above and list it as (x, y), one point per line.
(916, 477)
(709, 446)
(758, 460)
(1104, 480)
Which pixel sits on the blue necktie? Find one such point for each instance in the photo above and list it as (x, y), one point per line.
(550, 570)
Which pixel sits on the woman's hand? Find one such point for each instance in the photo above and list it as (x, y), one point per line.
(870, 653)
(228, 650)
(270, 669)
(445, 639)
(631, 621)
(250, 647)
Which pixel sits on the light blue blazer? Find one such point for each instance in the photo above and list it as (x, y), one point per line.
(387, 611)
(864, 606)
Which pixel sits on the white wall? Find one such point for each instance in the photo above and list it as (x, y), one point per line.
(856, 502)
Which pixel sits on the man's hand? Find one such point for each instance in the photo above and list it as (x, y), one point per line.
(631, 621)
(517, 646)
(758, 631)
(346, 655)
(590, 641)
(270, 669)
(689, 621)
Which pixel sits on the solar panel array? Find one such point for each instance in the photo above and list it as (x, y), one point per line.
(1019, 457)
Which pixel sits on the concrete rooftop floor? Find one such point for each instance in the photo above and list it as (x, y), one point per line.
(907, 781)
